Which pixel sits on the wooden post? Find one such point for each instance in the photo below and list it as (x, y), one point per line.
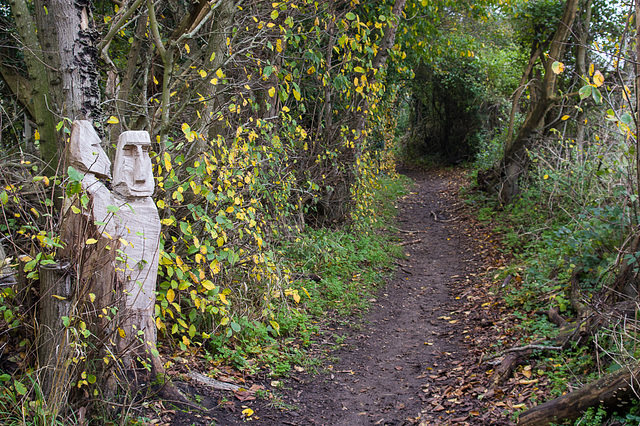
(57, 292)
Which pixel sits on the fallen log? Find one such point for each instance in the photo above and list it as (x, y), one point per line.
(612, 392)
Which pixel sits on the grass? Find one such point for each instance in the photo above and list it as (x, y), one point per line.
(352, 261)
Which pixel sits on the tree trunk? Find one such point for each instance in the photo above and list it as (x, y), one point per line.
(68, 35)
(611, 392)
(41, 103)
(514, 160)
(581, 69)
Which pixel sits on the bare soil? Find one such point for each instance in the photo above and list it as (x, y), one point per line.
(417, 356)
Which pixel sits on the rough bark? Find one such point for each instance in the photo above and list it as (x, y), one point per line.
(523, 83)
(514, 161)
(41, 103)
(611, 392)
(216, 49)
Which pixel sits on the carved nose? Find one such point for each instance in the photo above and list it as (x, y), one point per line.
(140, 174)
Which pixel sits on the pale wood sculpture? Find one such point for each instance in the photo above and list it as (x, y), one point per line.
(139, 225)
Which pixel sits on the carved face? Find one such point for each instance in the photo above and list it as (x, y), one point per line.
(85, 152)
(132, 174)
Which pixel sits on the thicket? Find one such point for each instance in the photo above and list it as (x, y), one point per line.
(273, 128)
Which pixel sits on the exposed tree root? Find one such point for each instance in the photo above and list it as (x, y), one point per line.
(611, 392)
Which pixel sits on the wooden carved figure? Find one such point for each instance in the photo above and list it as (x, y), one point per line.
(139, 225)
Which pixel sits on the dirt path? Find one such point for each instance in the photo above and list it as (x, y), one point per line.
(383, 369)
(413, 359)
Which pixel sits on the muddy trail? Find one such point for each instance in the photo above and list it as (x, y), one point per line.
(417, 356)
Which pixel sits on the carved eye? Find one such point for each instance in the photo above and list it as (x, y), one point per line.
(129, 150)
(145, 148)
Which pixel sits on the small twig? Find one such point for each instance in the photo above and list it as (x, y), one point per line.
(435, 218)
(524, 348)
(449, 220)
(534, 347)
(411, 232)
(406, 243)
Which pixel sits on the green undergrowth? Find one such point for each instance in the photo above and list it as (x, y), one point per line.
(550, 234)
(334, 273)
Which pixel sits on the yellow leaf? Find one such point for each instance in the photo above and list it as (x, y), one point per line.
(224, 321)
(208, 285)
(155, 80)
(92, 297)
(296, 94)
(91, 241)
(122, 333)
(598, 79)
(223, 298)
(59, 297)
(545, 177)
(272, 92)
(296, 297)
(565, 117)
(557, 67)
(167, 161)
(214, 81)
(187, 48)
(37, 135)
(113, 120)
(247, 412)
(171, 295)
(592, 69)
(203, 74)
(219, 73)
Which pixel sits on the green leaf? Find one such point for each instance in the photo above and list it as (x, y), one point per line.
(585, 91)
(74, 175)
(597, 96)
(4, 197)
(235, 326)
(351, 16)
(20, 388)
(5, 377)
(627, 119)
